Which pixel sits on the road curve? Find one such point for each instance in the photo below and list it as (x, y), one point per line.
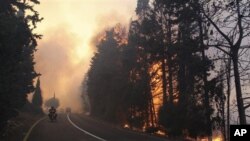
(81, 128)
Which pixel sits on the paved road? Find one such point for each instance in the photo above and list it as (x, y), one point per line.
(80, 128)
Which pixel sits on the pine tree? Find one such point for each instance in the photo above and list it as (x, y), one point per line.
(37, 100)
(106, 81)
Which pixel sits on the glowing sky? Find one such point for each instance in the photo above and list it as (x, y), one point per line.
(65, 50)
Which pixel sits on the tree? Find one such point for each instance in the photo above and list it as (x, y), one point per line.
(37, 99)
(85, 98)
(167, 53)
(138, 67)
(181, 49)
(17, 46)
(106, 99)
(166, 34)
(230, 27)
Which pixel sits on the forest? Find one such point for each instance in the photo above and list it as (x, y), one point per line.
(181, 68)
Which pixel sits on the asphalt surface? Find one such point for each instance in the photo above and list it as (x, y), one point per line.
(82, 128)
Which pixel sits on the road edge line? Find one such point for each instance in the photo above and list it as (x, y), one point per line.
(86, 132)
(31, 128)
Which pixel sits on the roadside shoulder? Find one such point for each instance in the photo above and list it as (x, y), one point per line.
(19, 126)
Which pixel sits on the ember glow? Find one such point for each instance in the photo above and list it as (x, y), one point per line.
(65, 51)
(218, 138)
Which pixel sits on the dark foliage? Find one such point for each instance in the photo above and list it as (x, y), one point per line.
(37, 99)
(17, 46)
(166, 54)
(106, 78)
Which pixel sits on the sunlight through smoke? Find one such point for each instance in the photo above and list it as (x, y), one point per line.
(64, 53)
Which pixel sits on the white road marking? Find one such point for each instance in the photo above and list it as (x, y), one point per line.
(86, 132)
(31, 128)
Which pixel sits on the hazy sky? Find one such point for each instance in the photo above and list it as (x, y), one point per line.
(65, 50)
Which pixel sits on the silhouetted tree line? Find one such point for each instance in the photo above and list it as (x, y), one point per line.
(182, 48)
(17, 46)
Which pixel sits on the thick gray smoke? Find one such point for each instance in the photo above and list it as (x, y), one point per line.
(55, 60)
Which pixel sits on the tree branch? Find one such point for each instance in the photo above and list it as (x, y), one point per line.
(247, 106)
(241, 32)
(221, 49)
(245, 47)
(218, 29)
(246, 98)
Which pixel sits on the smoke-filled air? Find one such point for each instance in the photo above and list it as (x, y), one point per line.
(65, 51)
(111, 70)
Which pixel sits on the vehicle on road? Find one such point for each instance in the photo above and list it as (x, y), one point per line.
(68, 110)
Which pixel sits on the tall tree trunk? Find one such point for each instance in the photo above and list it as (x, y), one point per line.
(170, 80)
(182, 81)
(181, 73)
(223, 128)
(152, 112)
(164, 83)
(228, 97)
(239, 98)
(206, 100)
(148, 95)
(151, 105)
(169, 59)
(163, 67)
(204, 77)
(235, 58)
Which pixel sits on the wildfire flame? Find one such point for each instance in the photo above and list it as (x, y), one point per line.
(126, 126)
(215, 138)
(219, 138)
